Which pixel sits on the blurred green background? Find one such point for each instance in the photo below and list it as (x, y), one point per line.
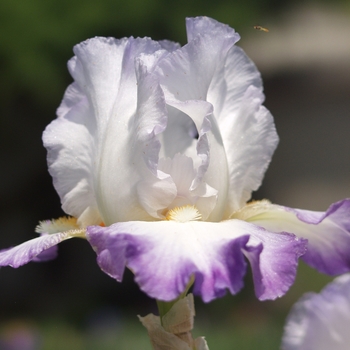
(69, 303)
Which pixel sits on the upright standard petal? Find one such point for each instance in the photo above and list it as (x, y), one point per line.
(250, 139)
(88, 162)
(165, 255)
(247, 128)
(320, 321)
(242, 135)
(185, 76)
(133, 155)
(328, 233)
(70, 141)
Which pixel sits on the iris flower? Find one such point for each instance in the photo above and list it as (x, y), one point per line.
(321, 321)
(155, 153)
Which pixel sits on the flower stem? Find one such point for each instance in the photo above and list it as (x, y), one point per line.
(165, 306)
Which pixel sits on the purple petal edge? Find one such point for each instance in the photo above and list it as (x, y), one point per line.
(38, 249)
(236, 270)
(329, 252)
(138, 245)
(338, 211)
(274, 263)
(47, 255)
(117, 250)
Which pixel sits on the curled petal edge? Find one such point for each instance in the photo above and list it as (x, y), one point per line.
(37, 249)
(328, 233)
(165, 255)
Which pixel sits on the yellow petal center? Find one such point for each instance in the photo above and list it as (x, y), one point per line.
(184, 214)
(57, 225)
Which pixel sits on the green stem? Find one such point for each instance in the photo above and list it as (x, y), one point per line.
(165, 306)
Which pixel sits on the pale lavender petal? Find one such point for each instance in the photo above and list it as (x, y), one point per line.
(328, 247)
(139, 115)
(185, 76)
(320, 321)
(250, 139)
(169, 45)
(328, 233)
(246, 127)
(89, 165)
(69, 141)
(198, 26)
(164, 255)
(186, 73)
(30, 250)
(236, 95)
(179, 136)
(155, 190)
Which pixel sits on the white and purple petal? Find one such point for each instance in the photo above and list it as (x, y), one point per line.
(165, 255)
(328, 233)
(274, 260)
(38, 249)
(320, 321)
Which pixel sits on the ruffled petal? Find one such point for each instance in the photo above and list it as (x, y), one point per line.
(185, 76)
(234, 75)
(250, 139)
(69, 141)
(169, 45)
(320, 321)
(133, 155)
(196, 26)
(39, 249)
(274, 262)
(328, 233)
(187, 72)
(88, 162)
(247, 128)
(165, 255)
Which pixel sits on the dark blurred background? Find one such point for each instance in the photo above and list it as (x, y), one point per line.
(69, 302)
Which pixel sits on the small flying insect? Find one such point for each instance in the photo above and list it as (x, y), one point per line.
(262, 29)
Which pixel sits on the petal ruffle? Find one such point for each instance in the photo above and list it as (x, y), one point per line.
(185, 76)
(320, 321)
(88, 162)
(130, 149)
(328, 233)
(274, 262)
(39, 249)
(165, 255)
(69, 141)
(247, 128)
(250, 139)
